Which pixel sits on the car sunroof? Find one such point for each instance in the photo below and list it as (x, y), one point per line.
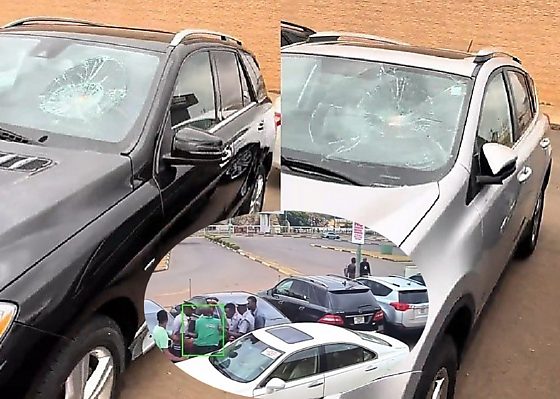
(289, 335)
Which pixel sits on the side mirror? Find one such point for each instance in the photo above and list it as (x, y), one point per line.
(501, 161)
(192, 147)
(275, 384)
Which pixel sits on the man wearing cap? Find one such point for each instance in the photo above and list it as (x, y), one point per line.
(213, 301)
(183, 328)
(246, 322)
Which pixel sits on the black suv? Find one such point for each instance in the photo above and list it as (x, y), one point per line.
(115, 144)
(291, 33)
(327, 299)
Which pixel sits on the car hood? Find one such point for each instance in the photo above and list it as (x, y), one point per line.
(200, 369)
(391, 211)
(41, 210)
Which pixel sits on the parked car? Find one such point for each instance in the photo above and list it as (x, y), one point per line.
(305, 360)
(330, 235)
(469, 176)
(112, 150)
(271, 314)
(151, 310)
(291, 33)
(404, 302)
(327, 299)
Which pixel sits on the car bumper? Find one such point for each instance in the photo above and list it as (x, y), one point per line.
(22, 352)
(394, 386)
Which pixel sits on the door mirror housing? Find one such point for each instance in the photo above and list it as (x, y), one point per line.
(501, 163)
(192, 147)
(275, 384)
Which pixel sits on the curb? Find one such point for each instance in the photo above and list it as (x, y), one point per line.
(163, 264)
(376, 255)
(287, 271)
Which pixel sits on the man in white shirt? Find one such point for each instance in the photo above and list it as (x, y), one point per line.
(246, 323)
(183, 325)
(233, 319)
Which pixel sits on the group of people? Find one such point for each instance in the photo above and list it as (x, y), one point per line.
(203, 328)
(352, 268)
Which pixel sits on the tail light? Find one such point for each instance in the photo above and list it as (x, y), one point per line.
(401, 307)
(277, 118)
(378, 316)
(332, 319)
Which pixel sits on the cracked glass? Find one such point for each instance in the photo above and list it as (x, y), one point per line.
(381, 124)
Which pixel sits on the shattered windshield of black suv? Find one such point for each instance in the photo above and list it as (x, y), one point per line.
(65, 90)
(382, 124)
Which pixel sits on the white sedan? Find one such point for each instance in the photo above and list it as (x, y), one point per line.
(301, 360)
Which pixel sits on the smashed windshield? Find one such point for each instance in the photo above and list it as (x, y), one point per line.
(72, 88)
(381, 123)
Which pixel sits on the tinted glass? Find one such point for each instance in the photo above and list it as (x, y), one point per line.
(229, 82)
(284, 287)
(84, 92)
(317, 296)
(343, 355)
(300, 290)
(255, 75)
(351, 300)
(290, 335)
(376, 288)
(349, 116)
(521, 100)
(247, 93)
(193, 101)
(245, 359)
(413, 297)
(299, 365)
(495, 122)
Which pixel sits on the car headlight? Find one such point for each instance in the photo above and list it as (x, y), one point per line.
(8, 313)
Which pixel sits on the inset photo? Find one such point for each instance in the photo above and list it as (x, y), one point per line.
(285, 303)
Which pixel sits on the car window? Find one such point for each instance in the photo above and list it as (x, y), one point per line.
(248, 96)
(521, 101)
(338, 356)
(299, 365)
(376, 288)
(255, 75)
(283, 288)
(495, 121)
(350, 300)
(193, 102)
(229, 82)
(413, 297)
(317, 296)
(300, 290)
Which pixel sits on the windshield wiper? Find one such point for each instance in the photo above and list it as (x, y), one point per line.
(312, 168)
(218, 366)
(8, 135)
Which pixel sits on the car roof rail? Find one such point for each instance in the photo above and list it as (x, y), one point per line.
(296, 26)
(326, 37)
(339, 276)
(38, 20)
(486, 54)
(180, 36)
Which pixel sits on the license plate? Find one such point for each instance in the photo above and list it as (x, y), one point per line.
(421, 311)
(359, 320)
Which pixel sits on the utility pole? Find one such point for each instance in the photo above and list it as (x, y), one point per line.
(358, 258)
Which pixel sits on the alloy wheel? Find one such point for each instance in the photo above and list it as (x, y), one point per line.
(93, 376)
(440, 385)
(257, 195)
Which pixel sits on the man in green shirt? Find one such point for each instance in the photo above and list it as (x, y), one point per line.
(208, 332)
(161, 338)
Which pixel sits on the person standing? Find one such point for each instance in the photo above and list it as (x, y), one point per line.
(233, 319)
(365, 268)
(208, 332)
(350, 270)
(161, 338)
(247, 321)
(183, 328)
(260, 320)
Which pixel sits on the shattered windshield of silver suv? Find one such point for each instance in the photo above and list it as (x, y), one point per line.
(356, 115)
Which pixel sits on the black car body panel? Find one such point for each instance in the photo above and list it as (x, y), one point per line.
(83, 235)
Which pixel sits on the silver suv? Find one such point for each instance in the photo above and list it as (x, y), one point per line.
(404, 302)
(443, 152)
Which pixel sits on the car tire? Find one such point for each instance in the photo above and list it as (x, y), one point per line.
(255, 202)
(97, 347)
(441, 367)
(528, 242)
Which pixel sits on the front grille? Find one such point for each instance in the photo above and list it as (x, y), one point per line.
(23, 163)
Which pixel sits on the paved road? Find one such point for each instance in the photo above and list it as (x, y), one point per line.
(298, 254)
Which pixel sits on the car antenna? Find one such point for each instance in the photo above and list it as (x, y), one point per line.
(470, 45)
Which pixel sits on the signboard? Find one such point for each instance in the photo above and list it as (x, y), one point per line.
(358, 233)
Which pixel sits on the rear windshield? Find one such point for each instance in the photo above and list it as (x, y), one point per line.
(351, 300)
(413, 297)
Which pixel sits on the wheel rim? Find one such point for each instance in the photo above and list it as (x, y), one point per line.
(537, 216)
(93, 376)
(256, 196)
(440, 385)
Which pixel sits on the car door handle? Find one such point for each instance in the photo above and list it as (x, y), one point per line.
(371, 368)
(545, 143)
(280, 302)
(301, 308)
(261, 125)
(524, 175)
(315, 384)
